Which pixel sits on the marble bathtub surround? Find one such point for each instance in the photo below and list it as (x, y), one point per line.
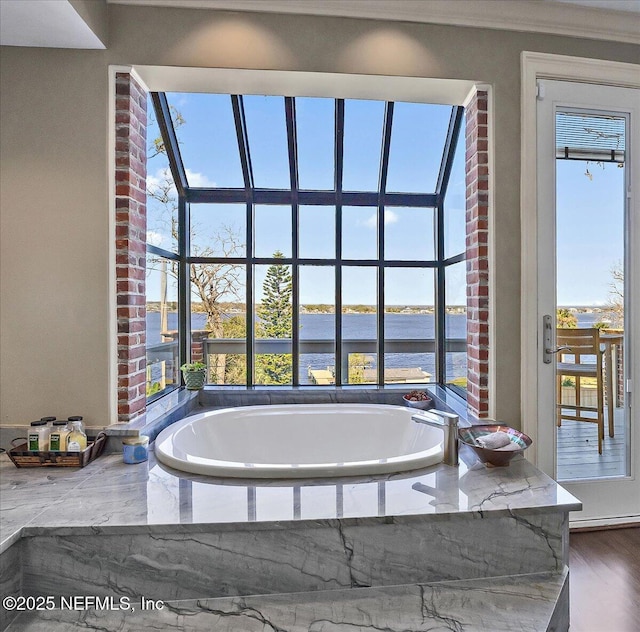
(266, 558)
(113, 529)
(527, 604)
(168, 536)
(10, 580)
(150, 494)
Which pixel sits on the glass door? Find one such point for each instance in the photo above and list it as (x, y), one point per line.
(587, 227)
(592, 426)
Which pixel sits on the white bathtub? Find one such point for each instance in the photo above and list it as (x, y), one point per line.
(300, 441)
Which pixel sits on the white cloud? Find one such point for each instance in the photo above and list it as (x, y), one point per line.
(154, 238)
(389, 218)
(196, 179)
(161, 176)
(157, 181)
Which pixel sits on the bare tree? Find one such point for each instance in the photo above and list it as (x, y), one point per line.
(214, 284)
(615, 306)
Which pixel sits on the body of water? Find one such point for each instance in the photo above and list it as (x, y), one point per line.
(363, 326)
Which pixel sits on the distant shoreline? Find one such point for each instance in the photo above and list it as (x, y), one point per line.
(239, 308)
(154, 306)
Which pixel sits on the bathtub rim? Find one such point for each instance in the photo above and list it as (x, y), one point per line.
(216, 468)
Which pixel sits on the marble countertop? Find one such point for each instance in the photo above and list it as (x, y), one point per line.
(109, 496)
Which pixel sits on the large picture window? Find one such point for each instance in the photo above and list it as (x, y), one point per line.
(306, 241)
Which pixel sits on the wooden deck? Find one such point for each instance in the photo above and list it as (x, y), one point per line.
(578, 457)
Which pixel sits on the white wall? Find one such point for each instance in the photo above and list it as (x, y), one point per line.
(54, 197)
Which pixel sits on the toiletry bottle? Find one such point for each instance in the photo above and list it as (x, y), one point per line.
(38, 436)
(77, 439)
(58, 439)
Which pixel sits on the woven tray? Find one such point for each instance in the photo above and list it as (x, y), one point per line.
(22, 457)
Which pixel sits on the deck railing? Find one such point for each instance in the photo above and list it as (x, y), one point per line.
(217, 346)
(167, 351)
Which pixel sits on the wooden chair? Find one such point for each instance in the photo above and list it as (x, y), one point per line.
(584, 347)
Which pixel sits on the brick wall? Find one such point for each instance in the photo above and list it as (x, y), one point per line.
(131, 117)
(477, 251)
(131, 228)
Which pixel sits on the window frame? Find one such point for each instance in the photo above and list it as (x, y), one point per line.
(295, 197)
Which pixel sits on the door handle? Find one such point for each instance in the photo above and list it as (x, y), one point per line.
(557, 350)
(548, 350)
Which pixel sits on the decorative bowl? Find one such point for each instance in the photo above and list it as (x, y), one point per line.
(499, 457)
(422, 404)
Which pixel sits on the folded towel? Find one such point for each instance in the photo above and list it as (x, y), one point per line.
(494, 441)
(512, 445)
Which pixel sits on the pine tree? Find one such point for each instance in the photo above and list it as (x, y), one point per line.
(275, 314)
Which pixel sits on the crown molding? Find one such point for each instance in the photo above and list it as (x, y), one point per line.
(538, 16)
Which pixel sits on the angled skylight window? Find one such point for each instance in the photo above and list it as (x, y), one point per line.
(267, 136)
(418, 136)
(162, 197)
(207, 138)
(363, 121)
(323, 212)
(315, 126)
(455, 202)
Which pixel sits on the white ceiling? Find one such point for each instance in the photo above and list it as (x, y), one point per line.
(55, 23)
(609, 5)
(46, 23)
(317, 5)
(616, 20)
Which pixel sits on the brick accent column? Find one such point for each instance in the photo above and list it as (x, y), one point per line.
(131, 238)
(198, 336)
(477, 252)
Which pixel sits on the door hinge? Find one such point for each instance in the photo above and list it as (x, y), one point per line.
(540, 91)
(628, 388)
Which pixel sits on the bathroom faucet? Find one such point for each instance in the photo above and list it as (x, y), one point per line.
(448, 422)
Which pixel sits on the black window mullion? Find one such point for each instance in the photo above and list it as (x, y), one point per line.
(161, 252)
(237, 106)
(243, 143)
(382, 186)
(446, 165)
(339, 162)
(249, 315)
(290, 114)
(311, 198)
(170, 140)
(440, 298)
(448, 154)
(184, 282)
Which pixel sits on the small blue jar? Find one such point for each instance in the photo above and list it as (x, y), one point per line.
(135, 450)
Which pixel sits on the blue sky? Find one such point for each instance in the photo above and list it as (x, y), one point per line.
(589, 210)
(590, 230)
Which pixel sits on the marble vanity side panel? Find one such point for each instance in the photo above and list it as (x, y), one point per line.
(187, 565)
(10, 580)
(463, 546)
(290, 557)
(565, 538)
(560, 619)
(500, 605)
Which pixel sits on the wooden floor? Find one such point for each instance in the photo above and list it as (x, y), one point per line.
(604, 572)
(577, 444)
